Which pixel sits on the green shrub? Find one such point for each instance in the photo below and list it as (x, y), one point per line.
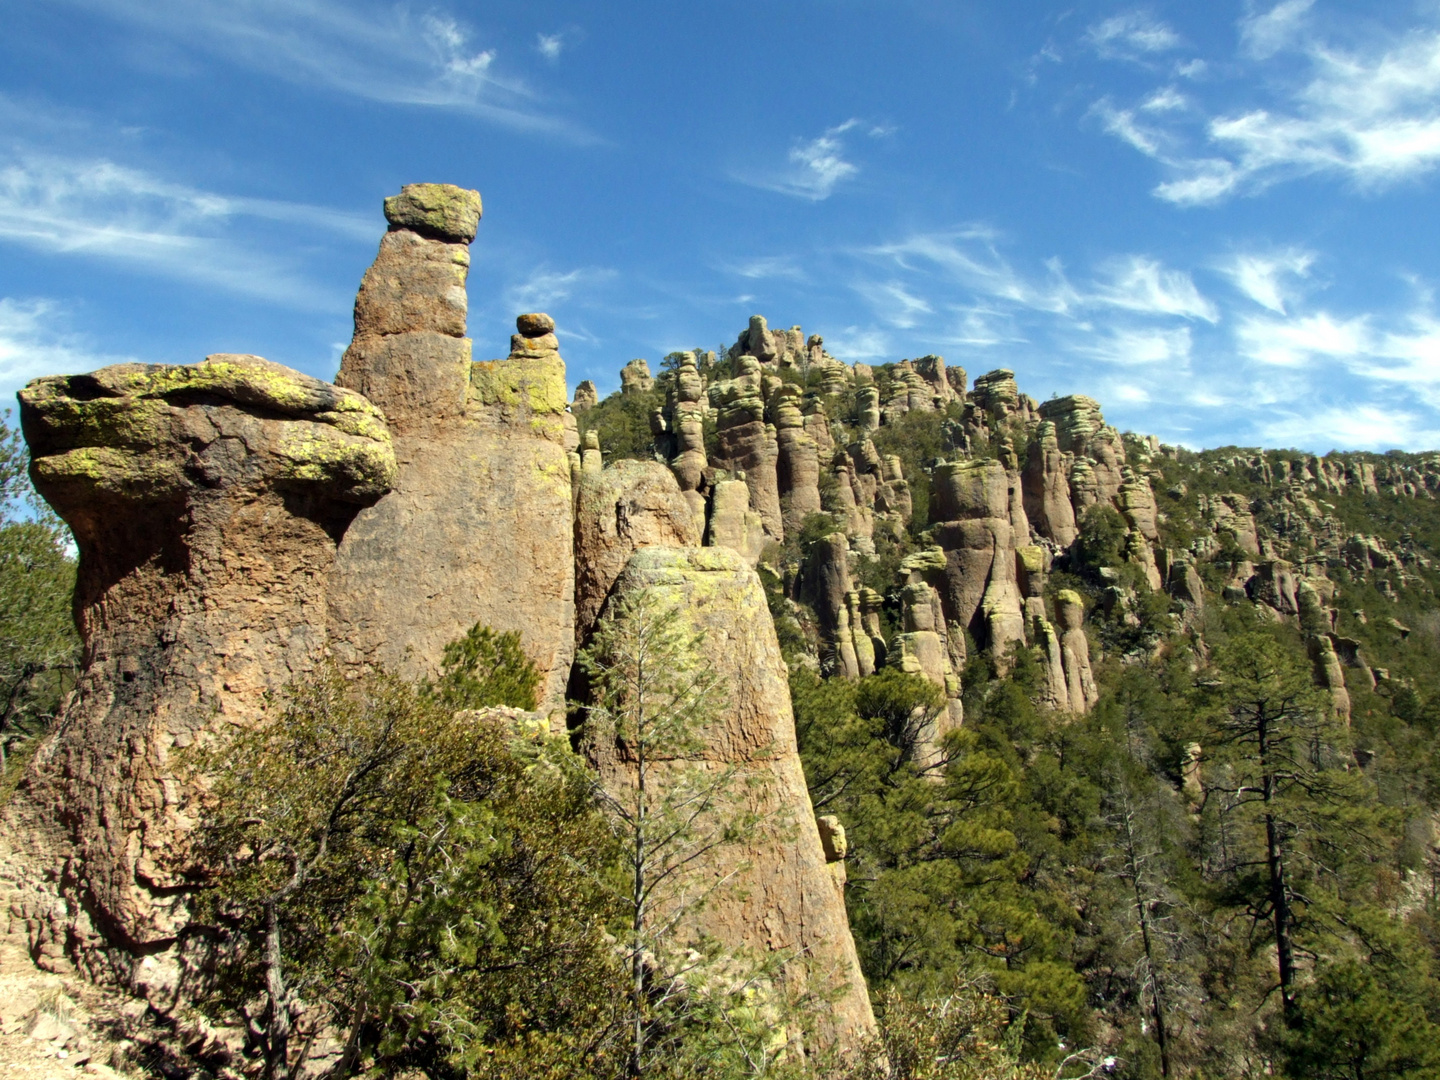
(484, 668)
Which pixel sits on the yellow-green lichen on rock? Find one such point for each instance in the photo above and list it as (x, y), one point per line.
(536, 385)
(319, 454)
(148, 431)
(440, 210)
(111, 471)
(1032, 558)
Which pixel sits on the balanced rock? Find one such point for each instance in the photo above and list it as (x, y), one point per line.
(442, 211)
(478, 527)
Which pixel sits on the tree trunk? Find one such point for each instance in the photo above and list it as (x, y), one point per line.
(278, 1034)
(638, 894)
(1132, 856)
(1279, 893)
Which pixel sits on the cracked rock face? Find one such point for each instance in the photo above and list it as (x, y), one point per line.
(628, 506)
(207, 501)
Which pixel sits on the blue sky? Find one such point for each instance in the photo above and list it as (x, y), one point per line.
(1218, 219)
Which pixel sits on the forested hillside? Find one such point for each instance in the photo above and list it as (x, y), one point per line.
(1120, 754)
(1227, 866)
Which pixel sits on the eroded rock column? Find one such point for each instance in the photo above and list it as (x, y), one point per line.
(207, 502)
(479, 525)
(781, 900)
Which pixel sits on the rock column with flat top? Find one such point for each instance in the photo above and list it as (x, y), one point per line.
(206, 501)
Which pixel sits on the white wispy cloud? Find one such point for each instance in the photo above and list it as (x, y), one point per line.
(1266, 278)
(545, 288)
(859, 343)
(1368, 116)
(1141, 284)
(550, 45)
(97, 208)
(1152, 342)
(982, 326)
(765, 266)
(1141, 347)
(896, 304)
(1399, 355)
(819, 165)
(378, 52)
(101, 209)
(36, 339)
(1265, 33)
(1131, 35)
(1351, 427)
(813, 167)
(970, 256)
(1166, 99)
(1300, 340)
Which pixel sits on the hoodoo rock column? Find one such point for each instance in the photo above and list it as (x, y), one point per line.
(206, 502)
(778, 897)
(479, 525)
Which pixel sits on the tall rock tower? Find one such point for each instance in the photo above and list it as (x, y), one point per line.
(478, 526)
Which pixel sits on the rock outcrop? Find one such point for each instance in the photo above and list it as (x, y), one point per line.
(478, 526)
(972, 501)
(783, 900)
(1075, 652)
(207, 502)
(239, 522)
(630, 505)
(746, 444)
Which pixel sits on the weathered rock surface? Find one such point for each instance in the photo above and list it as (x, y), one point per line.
(1047, 488)
(1075, 651)
(478, 527)
(782, 900)
(797, 461)
(586, 397)
(732, 523)
(687, 420)
(972, 500)
(747, 444)
(635, 378)
(630, 505)
(207, 502)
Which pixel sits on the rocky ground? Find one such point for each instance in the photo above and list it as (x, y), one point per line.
(54, 1026)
